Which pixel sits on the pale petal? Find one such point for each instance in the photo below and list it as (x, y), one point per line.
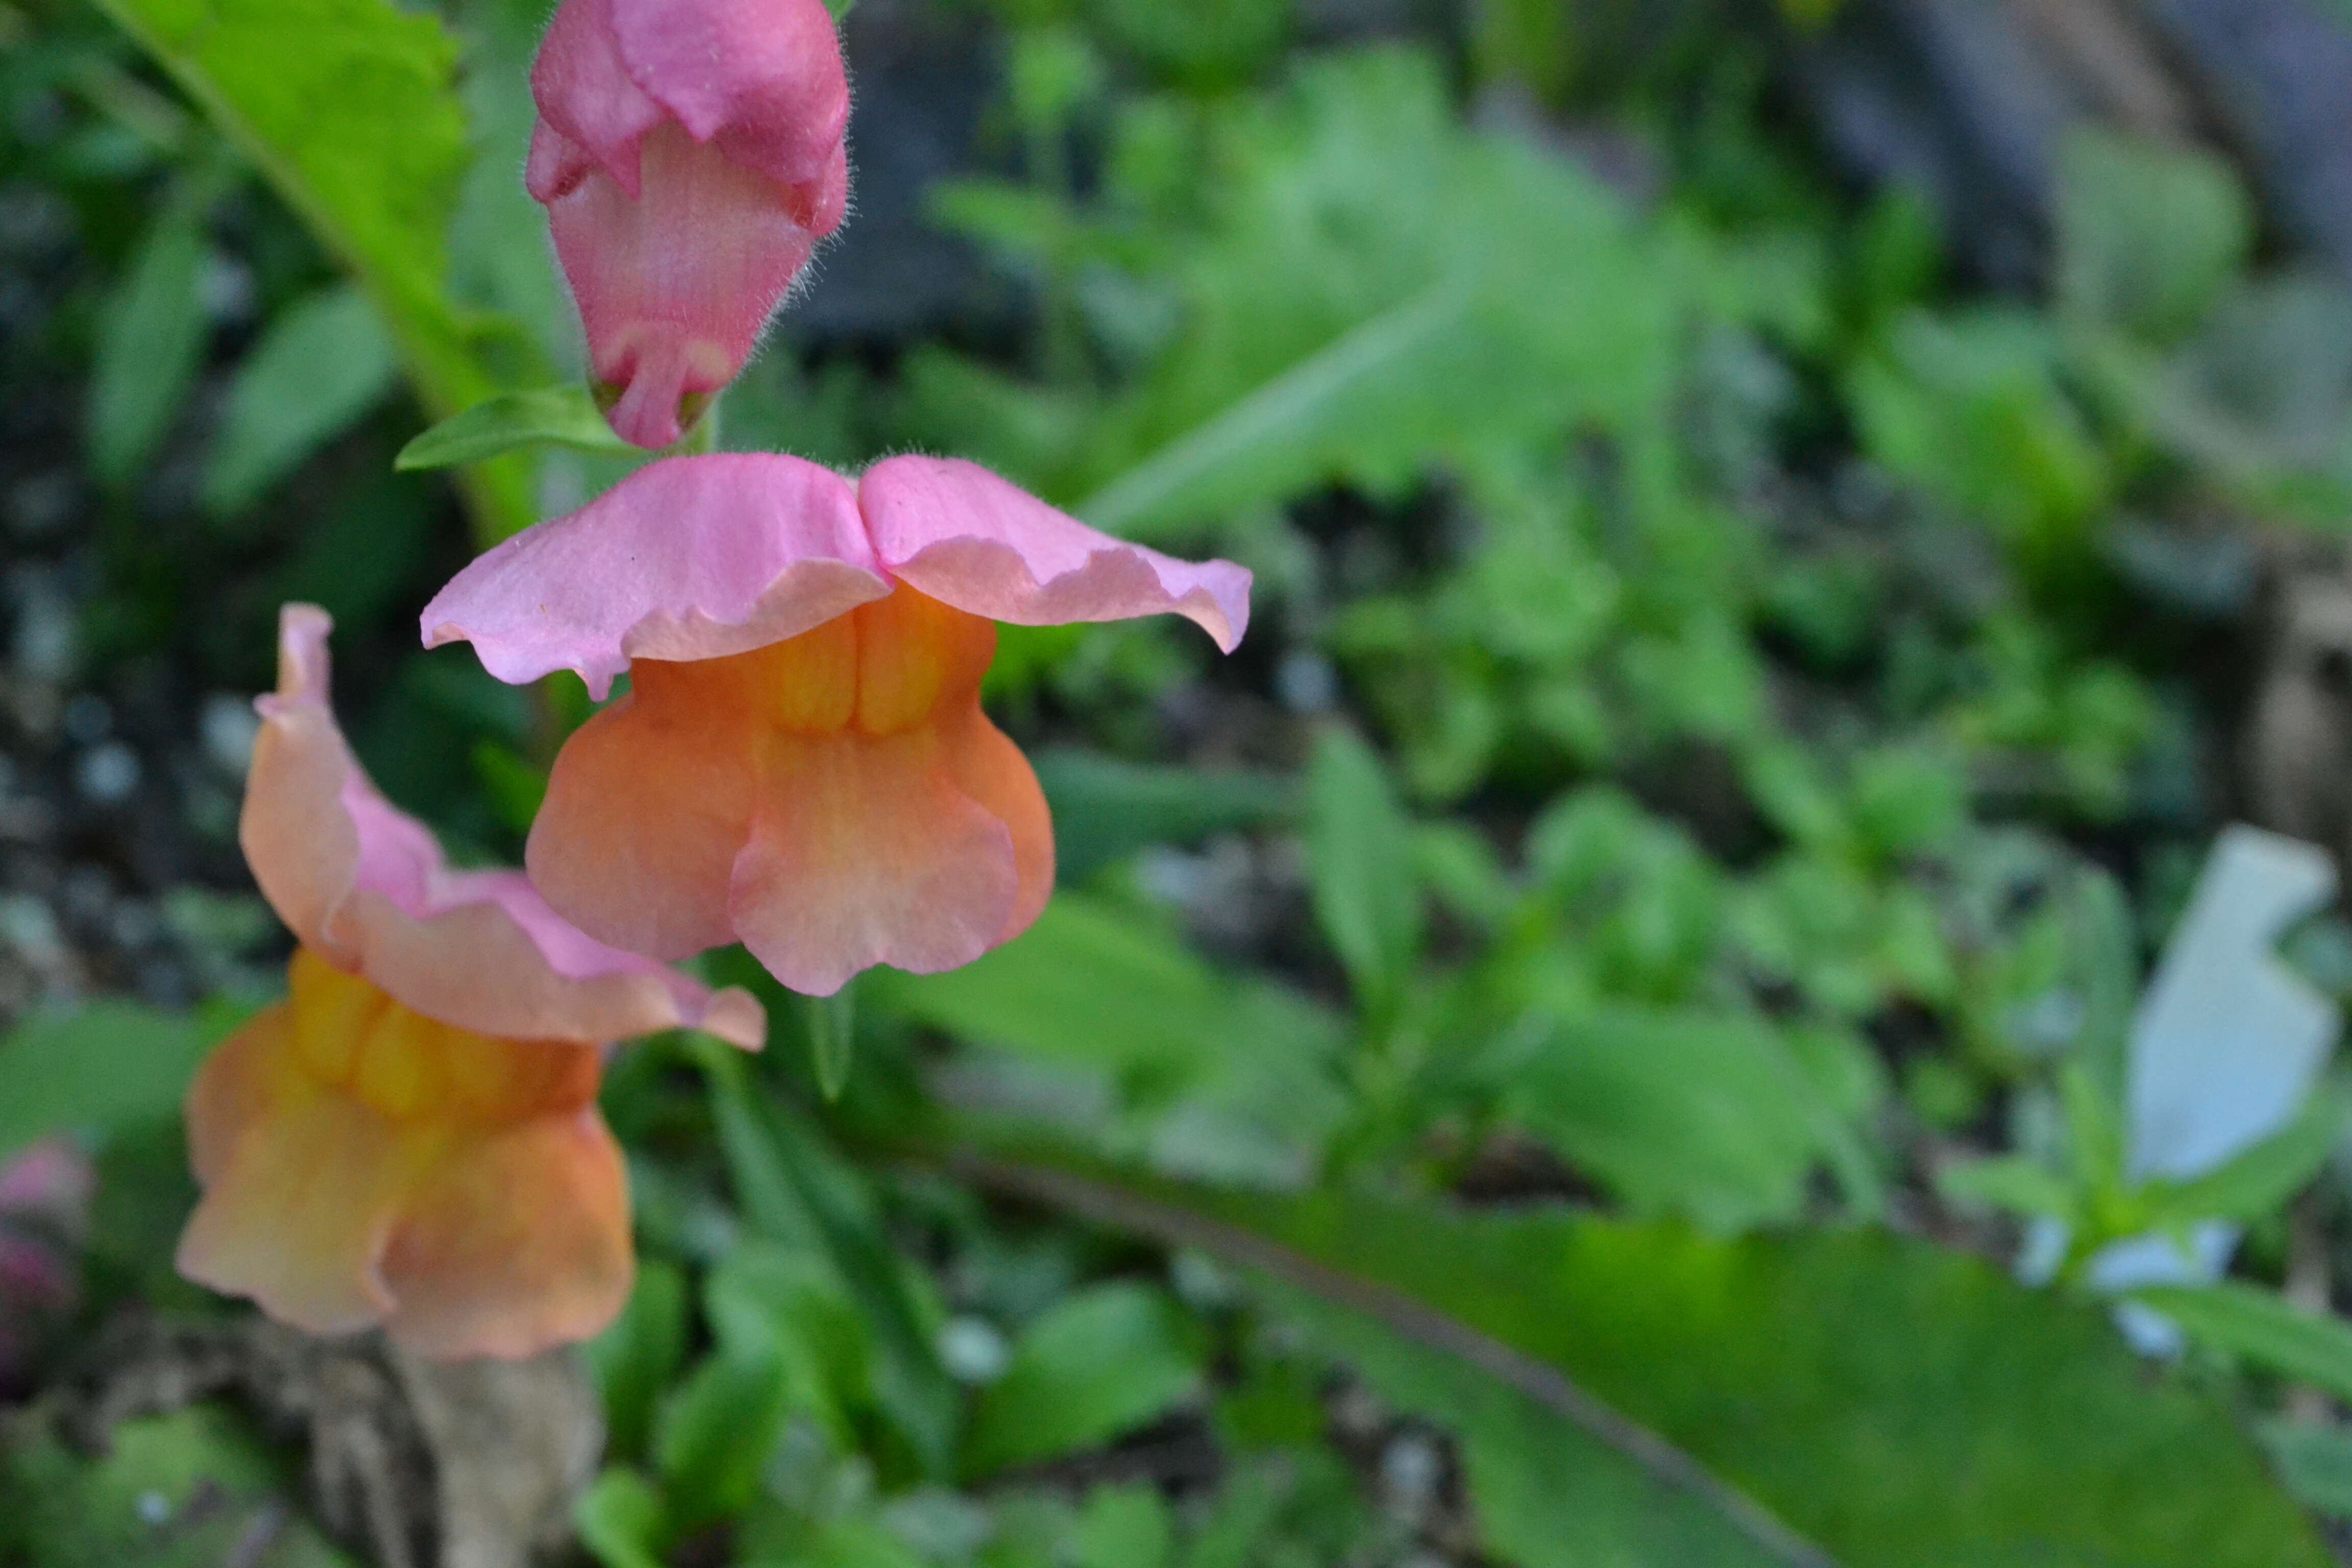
(362, 1164)
(969, 538)
(366, 887)
(479, 967)
(691, 558)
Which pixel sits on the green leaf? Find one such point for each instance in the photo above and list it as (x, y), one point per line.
(621, 1521)
(151, 338)
(349, 109)
(2314, 1463)
(771, 1301)
(2094, 1128)
(324, 364)
(1245, 1512)
(1708, 1115)
(1124, 1527)
(1104, 810)
(715, 1433)
(2262, 1327)
(1086, 985)
(1101, 1363)
(1329, 399)
(2258, 1179)
(2148, 236)
(1970, 408)
(795, 1190)
(850, 1542)
(1544, 1492)
(2013, 1183)
(192, 1489)
(637, 1358)
(1373, 287)
(108, 1066)
(832, 1039)
(1360, 848)
(514, 421)
(1901, 1406)
(1095, 991)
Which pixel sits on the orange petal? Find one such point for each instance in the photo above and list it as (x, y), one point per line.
(986, 766)
(297, 834)
(301, 1186)
(234, 1089)
(364, 1164)
(865, 852)
(513, 1244)
(835, 801)
(646, 809)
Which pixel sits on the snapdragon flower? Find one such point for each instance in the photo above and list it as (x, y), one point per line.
(801, 764)
(411, 1139)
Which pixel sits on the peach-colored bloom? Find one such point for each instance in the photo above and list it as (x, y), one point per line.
(801, 762)
(365, 1165)
(690, 156)
(411, 1139)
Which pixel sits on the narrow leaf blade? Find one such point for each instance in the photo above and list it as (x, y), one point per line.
(2261, 1326)
(513, 421)
(1359, 844)
(324, 362)
(1901, 1406)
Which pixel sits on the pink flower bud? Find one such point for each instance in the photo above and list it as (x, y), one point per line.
(689, 155)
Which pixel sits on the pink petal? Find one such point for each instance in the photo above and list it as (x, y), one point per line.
(690, 558)
(764, 78)
(591, 113)
(690, 155)
(959, 533)
(675, 283)
(367, 887)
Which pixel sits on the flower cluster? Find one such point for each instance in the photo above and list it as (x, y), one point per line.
(801, 763)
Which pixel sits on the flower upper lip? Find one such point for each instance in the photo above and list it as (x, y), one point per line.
(730, 553)
(367, 887)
